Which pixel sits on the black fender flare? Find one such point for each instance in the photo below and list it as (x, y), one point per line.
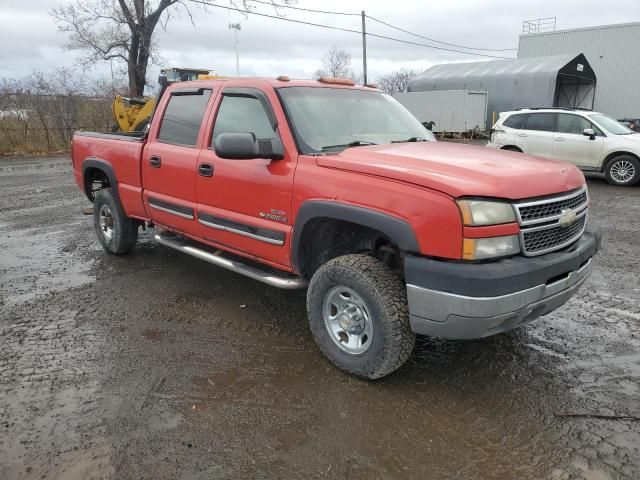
(100, 164)
(399, 231)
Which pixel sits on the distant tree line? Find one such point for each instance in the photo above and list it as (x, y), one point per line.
(39, 113)
(337, 63)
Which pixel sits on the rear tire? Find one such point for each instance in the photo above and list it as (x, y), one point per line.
(359, 316)
(623, 171)
(116, 232)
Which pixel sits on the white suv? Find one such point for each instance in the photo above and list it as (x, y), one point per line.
(590, 140)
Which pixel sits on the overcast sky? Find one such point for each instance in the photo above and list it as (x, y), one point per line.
(29, 39)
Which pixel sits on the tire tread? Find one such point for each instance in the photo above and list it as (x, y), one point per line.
(125, 228)
(392, 294)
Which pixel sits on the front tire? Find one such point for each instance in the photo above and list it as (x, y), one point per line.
(623, 171)
(359, 317)
(116, 232)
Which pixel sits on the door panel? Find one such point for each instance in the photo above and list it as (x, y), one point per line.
(537, 143)
(537, 134)
(246, 204)
(252, 194)
(570, 145)
(170, 158)
(169, 193)
(577, 149)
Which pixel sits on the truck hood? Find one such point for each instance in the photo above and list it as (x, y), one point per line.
(460, 170)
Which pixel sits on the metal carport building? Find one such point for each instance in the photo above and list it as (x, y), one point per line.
(614, 54)
(555, 81)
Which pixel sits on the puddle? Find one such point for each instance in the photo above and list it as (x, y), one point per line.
(35, 263)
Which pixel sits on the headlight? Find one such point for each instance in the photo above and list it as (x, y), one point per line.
(482, 248)
(481, 212)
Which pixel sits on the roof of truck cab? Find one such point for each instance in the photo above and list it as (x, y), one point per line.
(266, 81)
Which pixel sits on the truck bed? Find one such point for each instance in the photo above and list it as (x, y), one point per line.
(122, 152)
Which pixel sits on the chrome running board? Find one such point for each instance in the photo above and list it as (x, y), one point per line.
(222, 259)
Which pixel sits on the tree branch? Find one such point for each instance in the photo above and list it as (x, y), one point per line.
(127, 14)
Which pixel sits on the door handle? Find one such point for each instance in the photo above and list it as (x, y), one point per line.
(155, 161)
(522, 134)
(559, 139)
(205, 169)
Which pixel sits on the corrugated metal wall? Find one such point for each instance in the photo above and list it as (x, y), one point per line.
(613, 51)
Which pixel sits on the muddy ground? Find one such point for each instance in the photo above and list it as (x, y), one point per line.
(157, 365)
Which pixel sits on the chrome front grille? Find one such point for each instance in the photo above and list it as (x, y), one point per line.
(552, 223)
(541, 212)
(552, 238)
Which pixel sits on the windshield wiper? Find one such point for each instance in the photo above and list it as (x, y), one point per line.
(355, 143)
(410, 139)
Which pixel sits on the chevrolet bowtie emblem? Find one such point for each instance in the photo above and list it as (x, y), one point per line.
(567, 217)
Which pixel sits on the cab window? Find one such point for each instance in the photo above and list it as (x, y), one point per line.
(183, 117)
(241, 114)
(544, 122)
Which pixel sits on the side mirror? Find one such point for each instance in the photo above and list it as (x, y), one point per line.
(588, 132)
(245, 146)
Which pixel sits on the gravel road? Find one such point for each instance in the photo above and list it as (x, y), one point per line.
(156, 365)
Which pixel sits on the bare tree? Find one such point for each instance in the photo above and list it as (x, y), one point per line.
(14, 114)
(40, 112)
(337, 64)
(397, 81)
(122, 31)
(58, 96)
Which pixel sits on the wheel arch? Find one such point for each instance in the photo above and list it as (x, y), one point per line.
(614, 154)
(512, 148)
(93, 169)
(396, 230)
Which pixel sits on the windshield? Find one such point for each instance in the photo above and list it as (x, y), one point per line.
(332, 119)
(611, 125)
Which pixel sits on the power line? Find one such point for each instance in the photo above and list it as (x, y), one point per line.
(291, 7)
(349, 30)
(311, 10)
(438, 41)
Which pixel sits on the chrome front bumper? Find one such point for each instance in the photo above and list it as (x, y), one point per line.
(447, 315)
(458, 300)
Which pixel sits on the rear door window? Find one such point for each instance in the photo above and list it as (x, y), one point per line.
(515, 121)
(183, 117)
(543, 122)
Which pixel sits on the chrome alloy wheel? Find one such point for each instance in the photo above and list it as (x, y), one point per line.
(347, 319)
(622, 171)
(106, 222)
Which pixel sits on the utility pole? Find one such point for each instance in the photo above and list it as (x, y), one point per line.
(364, 48)
(236, 27)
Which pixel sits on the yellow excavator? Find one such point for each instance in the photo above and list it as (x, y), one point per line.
(134, 114)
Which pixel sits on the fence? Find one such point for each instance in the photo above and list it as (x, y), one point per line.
(41, 123)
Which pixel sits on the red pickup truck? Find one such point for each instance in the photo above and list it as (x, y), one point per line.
(337, 188)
